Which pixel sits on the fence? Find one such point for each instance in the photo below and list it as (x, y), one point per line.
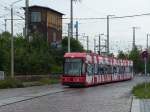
(2, 75)
(36, 77)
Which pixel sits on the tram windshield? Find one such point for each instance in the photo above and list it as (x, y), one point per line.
(73, 67)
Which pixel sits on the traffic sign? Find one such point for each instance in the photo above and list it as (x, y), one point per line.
(145, 54)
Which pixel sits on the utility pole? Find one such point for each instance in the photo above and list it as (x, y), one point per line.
(77, 27)
(12, 44)
(133, 46)
(12, 40)
(147, 42)
(27, 20)
(94, 45)
(105, 45)
(5, 24)
(107, 34)
(68, 37)
(87, 41)
(99, 44)
(71, 18)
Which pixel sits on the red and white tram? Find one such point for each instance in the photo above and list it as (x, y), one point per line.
(87, 69)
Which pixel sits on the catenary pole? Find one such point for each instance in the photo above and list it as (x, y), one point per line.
(12, 44)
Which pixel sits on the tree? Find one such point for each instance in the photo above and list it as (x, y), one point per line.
(122, 55)
(75, 45)
(34, 57)
(135, 56)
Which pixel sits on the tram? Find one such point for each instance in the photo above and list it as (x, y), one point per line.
(88, 69)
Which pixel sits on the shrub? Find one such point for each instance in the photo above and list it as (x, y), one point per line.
(56, 69)
(10, 83)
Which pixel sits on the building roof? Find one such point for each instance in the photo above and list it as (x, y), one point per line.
(50, 9)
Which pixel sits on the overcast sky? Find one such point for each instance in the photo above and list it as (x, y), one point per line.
(120, 29)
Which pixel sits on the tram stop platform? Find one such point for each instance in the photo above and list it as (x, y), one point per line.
(140, 105)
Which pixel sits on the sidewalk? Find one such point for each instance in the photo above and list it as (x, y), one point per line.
(140, 105)
(9, 96)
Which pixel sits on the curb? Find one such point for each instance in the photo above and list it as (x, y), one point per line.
(135, 106)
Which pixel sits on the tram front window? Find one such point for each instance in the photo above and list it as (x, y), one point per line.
(73, 67)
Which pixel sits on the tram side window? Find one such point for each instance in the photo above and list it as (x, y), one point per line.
(100, 69)
(109, 69)
(90, 69)
(117, 69)
(131, 69)
(83, 68)
(95, 68)
(121, 69)
(114, 70)
(127, 70)
(105, 70)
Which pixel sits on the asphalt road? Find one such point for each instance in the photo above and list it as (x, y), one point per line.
(114, 97)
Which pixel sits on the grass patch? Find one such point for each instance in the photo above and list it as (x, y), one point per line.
(13, 83)
(10, 83)
(140, 92)
(43, 81)
(49, 81)
(30, 84)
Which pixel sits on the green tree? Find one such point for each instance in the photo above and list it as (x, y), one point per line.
(75, 46)
(34, 57)
(135, 55)
(122, 55)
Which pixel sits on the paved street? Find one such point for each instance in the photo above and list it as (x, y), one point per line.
(115, 97)
(8, 93)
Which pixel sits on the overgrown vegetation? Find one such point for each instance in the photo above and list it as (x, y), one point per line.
(140, 92)
(10, 83)
(35, 57)
(13, 83)
(49, 81)
(135, 56)
(43, 81)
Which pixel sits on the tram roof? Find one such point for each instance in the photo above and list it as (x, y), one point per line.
(75, 55)
(84, 54)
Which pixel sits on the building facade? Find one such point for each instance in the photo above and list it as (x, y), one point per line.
(47, 23)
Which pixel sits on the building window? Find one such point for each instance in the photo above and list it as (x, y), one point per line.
(54, 36)
(35, 16)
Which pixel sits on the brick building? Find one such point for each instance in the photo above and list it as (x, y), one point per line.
(47, 22)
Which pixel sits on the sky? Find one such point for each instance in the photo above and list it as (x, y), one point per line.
(120, 29)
